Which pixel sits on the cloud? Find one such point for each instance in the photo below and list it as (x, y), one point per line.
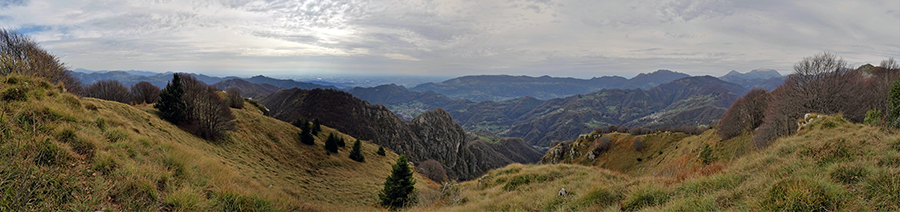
(401, 57)
(455, 37)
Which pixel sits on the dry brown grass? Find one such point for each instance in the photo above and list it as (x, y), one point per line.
(107, 155)
(830, 165)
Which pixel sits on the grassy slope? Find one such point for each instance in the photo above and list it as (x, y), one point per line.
(58, 151)
(830, 165)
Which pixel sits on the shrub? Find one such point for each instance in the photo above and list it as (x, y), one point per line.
(432, 170)
(356, 153)
(644, 197)
(110, 90)
(637, 144)
(602, 145)
(234, 98)
(893, 117)
(873, 117)
(398, 187)
(144, 93)
(381, 151)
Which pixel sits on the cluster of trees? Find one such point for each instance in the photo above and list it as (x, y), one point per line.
(19, 54)
(140, 93)
(195, 106)
(690, 130)
(824, 84)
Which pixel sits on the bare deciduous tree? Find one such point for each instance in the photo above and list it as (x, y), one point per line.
(234, 98)
(207, 112)
(432, 170)
(110, 90)
(144, 92)
(19, 54)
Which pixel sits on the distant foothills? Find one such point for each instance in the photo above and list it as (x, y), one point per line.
(536, 109)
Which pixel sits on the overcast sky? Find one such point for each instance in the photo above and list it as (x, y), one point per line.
(452, 38)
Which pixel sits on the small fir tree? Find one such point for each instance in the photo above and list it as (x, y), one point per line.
(331, 144)
(307, 138)
(340, 142)
(398, 187)
(356, 153)
(316, 127)
(171, 104)
(380, 151)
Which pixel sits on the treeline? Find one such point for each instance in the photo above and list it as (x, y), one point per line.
(822, 84)
(690, 130)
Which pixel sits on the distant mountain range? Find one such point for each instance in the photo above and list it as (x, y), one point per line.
(759, 78)
(504, 87)
(687, 101)
(129, 78)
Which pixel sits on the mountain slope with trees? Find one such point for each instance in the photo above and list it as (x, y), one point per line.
(431, 135)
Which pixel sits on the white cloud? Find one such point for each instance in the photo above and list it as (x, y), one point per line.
(457, 37)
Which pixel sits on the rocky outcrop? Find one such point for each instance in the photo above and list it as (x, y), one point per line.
(431, 135)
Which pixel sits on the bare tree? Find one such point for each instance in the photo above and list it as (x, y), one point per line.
(144, 92)
(890, 64)
(432, 170)
(110, 90)
(638, 144)
(19, 54)
(746, 113)
(234, 98)
(207, 113)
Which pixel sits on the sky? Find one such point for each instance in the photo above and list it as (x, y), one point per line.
(566, 38)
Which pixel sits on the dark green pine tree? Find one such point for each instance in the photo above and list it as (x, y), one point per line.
(893, 117)
(356, 153)
(171, 104)
(331, 144)
(398, 187)
(307, 138)
(380, 151)
(316, 127)
(340, 142)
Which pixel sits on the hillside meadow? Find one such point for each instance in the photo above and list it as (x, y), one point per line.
(830, 165)
(63, 152)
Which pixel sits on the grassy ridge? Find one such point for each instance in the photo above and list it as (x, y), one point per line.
(58, 151)
(830, 165)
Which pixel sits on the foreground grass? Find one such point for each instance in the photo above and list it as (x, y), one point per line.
(830, 165)
(61, 152)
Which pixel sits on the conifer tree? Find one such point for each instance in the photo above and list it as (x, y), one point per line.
(356, 153)
(331, 144)
(340, 142)
(380, 151)
(316, 127)
(894, 104)
(171, 104)
(398, 187)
